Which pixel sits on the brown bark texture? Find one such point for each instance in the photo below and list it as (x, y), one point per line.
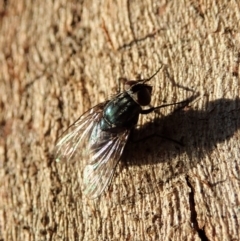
(60, 58)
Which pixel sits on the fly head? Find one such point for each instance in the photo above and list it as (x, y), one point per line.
(141, 93)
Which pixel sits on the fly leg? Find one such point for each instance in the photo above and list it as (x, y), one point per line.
(147, 111)
(123, 81)
(128, 83)
(182, 104)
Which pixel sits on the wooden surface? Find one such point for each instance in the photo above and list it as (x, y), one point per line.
(59, 58)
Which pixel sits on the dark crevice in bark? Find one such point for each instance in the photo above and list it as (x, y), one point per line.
(201, 232)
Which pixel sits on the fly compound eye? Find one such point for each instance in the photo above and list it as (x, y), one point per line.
(144, 95)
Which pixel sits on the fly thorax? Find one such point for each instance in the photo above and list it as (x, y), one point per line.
(122, 112)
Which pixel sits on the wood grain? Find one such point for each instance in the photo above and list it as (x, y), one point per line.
(59, 58)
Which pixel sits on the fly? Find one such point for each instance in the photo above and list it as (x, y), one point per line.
(102, 133)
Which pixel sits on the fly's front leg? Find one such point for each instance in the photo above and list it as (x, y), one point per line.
(129, 83)
(147, 111)
(183, 104)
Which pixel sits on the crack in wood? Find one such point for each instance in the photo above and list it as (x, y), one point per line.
(201, 232)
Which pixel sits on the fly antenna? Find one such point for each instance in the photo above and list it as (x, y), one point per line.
(146, 80)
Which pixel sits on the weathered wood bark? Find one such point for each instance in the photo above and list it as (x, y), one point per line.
(59, 58)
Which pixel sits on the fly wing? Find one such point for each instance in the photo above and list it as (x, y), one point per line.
(71, 141)
(101, 150)
(105, 151)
